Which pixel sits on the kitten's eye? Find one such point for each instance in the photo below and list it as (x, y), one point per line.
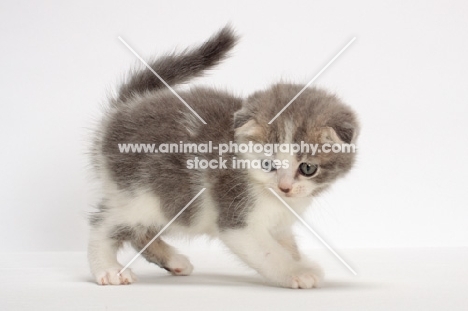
(268, 165)
(308, 169)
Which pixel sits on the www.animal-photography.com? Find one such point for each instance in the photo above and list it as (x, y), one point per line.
(206, 155)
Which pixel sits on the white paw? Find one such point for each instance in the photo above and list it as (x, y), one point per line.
(304, 280)
(310, 277)
(111, 276)
(179, 265)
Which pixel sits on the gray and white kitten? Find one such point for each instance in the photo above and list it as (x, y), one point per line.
(141, 192)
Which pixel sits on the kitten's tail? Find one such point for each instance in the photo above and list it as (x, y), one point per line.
(179, 68)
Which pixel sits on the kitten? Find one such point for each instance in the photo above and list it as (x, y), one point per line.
(142, 192)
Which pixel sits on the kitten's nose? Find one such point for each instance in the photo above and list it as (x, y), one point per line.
(285, 180)
(285, 190)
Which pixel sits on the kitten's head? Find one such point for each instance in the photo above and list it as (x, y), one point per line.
(315, 117)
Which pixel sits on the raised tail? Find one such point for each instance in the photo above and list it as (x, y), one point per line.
(179, 68)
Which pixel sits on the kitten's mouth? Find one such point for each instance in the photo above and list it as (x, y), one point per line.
(291, 195)
(284, 194)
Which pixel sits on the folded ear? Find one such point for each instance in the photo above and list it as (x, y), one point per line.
(346, 131)
(328, 135)
(341, 133)
(245, 125)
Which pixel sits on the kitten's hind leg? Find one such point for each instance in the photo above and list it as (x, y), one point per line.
(102, 256)
(163, 255)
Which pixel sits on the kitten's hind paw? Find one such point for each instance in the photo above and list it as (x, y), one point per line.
(112, 277)
(179, 264)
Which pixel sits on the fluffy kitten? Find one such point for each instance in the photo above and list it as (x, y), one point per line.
(142, 192)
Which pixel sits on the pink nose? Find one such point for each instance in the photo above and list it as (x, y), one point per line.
(285, 190)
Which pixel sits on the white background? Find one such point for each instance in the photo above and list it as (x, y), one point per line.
(405, 75)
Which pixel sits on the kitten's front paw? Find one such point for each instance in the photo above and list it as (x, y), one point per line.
(111, 276)
(304, 278)
(179, 265)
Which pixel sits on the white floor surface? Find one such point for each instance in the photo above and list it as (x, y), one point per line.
(388, 279)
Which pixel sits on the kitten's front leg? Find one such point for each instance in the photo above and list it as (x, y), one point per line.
(261, 251)
(286, 239)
